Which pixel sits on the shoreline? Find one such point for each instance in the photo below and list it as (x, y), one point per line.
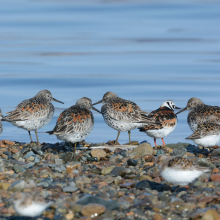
(120, 181)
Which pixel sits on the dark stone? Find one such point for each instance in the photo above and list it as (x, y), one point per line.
(152, 185)
(67, 157)
(94, 159)
(196, 150)
(119, 171)
(94, 199)
(132, 162)
(145, 203)
(123, 153)
(164, 198)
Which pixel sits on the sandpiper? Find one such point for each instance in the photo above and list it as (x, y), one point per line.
(122, 115)
(207, 134)
(167, 121)
(75, 123)
(32, 114)
(199, 112)
(178, 170)
(30, 204)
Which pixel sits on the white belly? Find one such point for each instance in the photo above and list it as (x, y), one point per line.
(33, 210)
(75, 137)
(208, 141)
(160, 133)
(33, 125)
(121, 126)
(180, 177)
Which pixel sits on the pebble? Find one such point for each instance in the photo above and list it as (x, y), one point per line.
(216, 152)
(125, 182)
(160, 152)
(179, 152)
(70, 189)
(19, 169)
(120, 171)
(93, 210)
(99, 153)
(94, 199)
(143, 149)
(211, 215)
(60, 168)
(94, 159)
(132, 162)
(17, 186)
(107, 170)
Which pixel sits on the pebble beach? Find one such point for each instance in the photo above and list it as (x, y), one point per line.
(106, 182)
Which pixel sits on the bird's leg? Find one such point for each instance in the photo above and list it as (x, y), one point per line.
(30, 136)
(155, 142)
(163, 141)
(117, 137)
(74, 147)
(37, 137)
(129, 135)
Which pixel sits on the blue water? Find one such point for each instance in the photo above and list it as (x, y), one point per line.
(143, 51)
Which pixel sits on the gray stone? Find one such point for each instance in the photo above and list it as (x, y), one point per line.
(179, 152)
(32, 154)
(115, 158)
(216, 152)
(17, 155)
(2, 169)
(29, 165)
(70, 189)
(17, 186)
(60, 168)
(76, 171)
(58, 161)
(19, 169)
(45, 182)
(94, 199)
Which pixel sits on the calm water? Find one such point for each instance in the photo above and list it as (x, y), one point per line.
(144, 52)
